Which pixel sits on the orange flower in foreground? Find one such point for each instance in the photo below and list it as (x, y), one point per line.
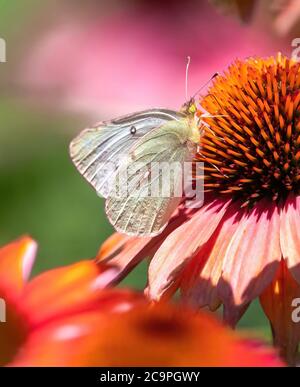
(63, 318)
(43, 314)
(245, 240)
(162, 335)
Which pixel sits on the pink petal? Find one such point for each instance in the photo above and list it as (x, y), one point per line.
(290, 234)
(68, 290)
(124, 252)
(201, 278)
(28, 259)
(251, 258)
(181, 246)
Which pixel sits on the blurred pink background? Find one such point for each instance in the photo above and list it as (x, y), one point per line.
(129, 55)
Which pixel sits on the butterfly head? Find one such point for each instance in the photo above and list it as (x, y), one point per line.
(189, 108)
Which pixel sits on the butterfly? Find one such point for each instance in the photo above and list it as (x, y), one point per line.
(116, 157)
(142, 138)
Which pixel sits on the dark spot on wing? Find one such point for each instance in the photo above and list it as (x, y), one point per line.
(133, 130)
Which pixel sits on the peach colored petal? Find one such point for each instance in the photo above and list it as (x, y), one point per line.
(16, 260)
(290, 234)
(181, 246)
(113, 245)
(124, 252)
(64, 291)
(252, 256)
(157, 336)
(278, 303)
(201, 278)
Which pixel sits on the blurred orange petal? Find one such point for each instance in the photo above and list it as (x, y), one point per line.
(66, 290)
(162, 335)
(56, 295)
(16, 260)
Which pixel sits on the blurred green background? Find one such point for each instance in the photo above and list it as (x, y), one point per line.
(41, 193)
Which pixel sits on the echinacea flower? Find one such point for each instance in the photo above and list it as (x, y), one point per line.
(38, 317)
(245, 240)
(163, 335)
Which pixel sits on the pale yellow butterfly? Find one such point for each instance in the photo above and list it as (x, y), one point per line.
(143, 138)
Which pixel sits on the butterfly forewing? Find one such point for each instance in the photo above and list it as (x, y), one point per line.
(99, 151)
(138, 209)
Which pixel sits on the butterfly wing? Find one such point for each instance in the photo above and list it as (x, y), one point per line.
(140, 211)
(97, 152)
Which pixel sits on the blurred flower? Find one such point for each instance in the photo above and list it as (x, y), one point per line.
(42, 314)
(229, 251)
(66, 308)
(241, 8)
(286, 15)
(134, 57)
(159, 336)
(281, 16)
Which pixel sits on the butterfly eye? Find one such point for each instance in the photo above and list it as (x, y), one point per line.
(133, 130)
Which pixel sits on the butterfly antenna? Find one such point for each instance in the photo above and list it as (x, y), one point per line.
(205, 84)
(186, 77)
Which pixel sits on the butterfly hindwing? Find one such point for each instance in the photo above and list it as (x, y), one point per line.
(137, 211)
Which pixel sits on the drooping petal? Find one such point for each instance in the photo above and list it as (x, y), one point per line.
(16, 260)
(281, 303)
(290, 234)
(65, 291)
(158, 336)
(181, 246)
(124, 252)
(251, 259)
(201, 277)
